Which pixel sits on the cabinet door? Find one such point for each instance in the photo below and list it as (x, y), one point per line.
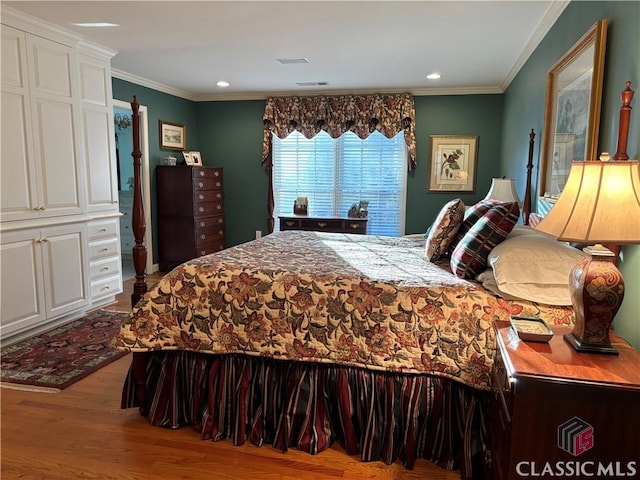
(64, 257)
(18, 192)
(22, 288)
(52, 81)
(98, 134)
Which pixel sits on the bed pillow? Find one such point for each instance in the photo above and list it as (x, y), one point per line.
(441, 233)
(469, 257)
(534, 267)
(471, 216)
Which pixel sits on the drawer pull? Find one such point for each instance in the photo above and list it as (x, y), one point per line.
(104, 249)
(218, 184)
(201, 173)
(203, 224)
(219, 195)
(221, 220)
(203, 236)
(219, 207)
(105, 288)
(322, 224)
(220, 232)
(201, 184)
(203, 252)
(355, 226)
(201, 197)
(216, 174)
(201, 209)
(104, 269)
(102, 230)
(290, 224)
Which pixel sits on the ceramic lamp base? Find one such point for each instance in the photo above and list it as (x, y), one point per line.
(597, 291)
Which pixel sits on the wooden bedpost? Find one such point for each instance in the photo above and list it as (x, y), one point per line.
(137, 218)
(526, 204)
(139, 360)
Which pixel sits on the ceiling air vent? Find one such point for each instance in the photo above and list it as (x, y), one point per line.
(312, 84)
(292, 61)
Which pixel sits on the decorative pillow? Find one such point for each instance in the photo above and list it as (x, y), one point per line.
(469, 258)
(471, 216)
(445, 226)
(534, 267)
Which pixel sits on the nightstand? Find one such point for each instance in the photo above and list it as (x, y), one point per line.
(554, 411)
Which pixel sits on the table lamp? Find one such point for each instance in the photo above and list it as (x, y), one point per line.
(503, 190)
(600, 204)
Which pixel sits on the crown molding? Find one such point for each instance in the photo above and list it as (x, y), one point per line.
(37, 26)
(160, 87)
(548, 20)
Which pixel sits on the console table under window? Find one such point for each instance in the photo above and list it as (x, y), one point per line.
(324, 224)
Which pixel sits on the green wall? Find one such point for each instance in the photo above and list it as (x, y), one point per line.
(524, 110)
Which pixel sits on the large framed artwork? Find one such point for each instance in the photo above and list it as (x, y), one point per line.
(453, 163)
(572, 109)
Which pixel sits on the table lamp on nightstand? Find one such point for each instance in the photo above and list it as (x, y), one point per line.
(600, 204)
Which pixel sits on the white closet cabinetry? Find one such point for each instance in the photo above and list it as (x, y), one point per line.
(58, 182)
(43, 275)
(41, 171)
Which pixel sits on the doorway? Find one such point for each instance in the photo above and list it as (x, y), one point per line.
(124, 147)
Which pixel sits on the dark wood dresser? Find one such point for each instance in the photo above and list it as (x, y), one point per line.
(324, 224)
(554, 412)
(190, 213)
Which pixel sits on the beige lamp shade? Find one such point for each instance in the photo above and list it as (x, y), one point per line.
(600, 203)
(503, 190)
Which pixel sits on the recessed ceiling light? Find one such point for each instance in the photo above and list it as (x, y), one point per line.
(96, 24)
(312, 84)
(222, 84)
(433, 76)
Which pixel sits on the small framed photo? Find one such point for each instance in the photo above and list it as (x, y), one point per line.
(453, 163)
(173, 136)
(187, 158)
(196, 158)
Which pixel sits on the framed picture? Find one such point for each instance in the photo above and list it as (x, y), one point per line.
(453, 163)
(196, 158)
(173, 136)
(572, 109)
(187, 158)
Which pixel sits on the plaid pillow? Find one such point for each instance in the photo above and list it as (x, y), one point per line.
(444, 227)
(471, 216)
(469, 257)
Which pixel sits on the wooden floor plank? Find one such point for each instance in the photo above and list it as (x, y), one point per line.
(81, 432)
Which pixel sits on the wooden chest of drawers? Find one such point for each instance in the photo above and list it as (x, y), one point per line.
(324, 224)
(190, 213)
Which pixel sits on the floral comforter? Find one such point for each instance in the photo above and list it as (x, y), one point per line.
(365, 301)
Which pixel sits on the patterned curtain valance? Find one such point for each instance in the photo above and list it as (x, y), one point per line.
(361, 114)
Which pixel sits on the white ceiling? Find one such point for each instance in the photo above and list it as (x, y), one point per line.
(185, 47)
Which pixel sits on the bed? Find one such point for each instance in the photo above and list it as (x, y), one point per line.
(305, 339)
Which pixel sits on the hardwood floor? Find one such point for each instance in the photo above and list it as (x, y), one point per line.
(81, 432)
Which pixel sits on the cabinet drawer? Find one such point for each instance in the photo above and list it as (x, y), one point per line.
(205, 234)
(105, 248)
(104, 268)
(102, 229)
(211, 173)
(207, 184)
(208, 196)
(206, 209)
(213, 245)
(208, 222)
(108, 286)
(320, 224)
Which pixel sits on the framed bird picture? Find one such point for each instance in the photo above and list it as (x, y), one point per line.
(453, 163)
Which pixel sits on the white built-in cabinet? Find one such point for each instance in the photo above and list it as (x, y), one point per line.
(58, 191)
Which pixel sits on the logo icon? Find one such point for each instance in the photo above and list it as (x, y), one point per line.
(575, 436)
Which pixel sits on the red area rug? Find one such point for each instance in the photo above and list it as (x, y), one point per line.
(53, 360)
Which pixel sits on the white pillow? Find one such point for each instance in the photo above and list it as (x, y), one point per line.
(534, 267)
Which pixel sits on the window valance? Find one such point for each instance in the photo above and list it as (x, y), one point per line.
(361, 114)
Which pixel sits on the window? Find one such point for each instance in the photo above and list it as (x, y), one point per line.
(336, 173)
